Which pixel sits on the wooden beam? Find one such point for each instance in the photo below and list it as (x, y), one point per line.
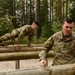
(27, 72)
(21, 49)
(21, 55)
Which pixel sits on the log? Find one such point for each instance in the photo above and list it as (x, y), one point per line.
(24, 45)
(27, 72)
(68, 69)
(21, 49)
(21, 55)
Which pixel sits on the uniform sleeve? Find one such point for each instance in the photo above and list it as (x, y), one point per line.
(21, 35)
(48, 45)
(30, 37)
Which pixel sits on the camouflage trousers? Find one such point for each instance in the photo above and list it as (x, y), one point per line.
(71, 61)
(9, 38)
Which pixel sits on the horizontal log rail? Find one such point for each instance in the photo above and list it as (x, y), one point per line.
(24, 45)
(9, 53)
(22, 48)
(21, 55)
(27, 72)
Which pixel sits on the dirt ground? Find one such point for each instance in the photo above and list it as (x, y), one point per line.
(24, 64)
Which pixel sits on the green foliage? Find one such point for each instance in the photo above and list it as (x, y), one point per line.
(24, 40)
(72, 10)
(34, 40)
(45, 19)
(45, 31)
(5, 26)
(41, 40)
(74, 28)
(5, 7)
(56, 26)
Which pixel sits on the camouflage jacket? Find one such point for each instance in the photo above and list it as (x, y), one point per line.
(25, 31)
(63, 47)
(17, 34)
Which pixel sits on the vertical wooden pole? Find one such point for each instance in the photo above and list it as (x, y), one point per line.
(17, 64)
(37, 17)
(17, 61)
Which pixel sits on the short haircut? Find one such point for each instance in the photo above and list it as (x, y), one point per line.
(36, 23)
(68, 20)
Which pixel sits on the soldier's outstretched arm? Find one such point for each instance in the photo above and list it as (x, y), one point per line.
(30, 37)
(43, 54)
(43, 59)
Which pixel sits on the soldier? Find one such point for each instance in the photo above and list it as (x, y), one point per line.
(63, 45)
(17, 34)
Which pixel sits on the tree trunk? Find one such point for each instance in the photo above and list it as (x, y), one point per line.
(23, 13)
(37, 16)
(14, 15)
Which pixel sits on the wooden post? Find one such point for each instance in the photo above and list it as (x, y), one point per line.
(37, 17)
(17, 64)
(17, 48)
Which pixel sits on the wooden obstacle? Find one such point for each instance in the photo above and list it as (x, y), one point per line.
(7, 54)
(10, 53)
(68, 69)
(21, 55)
(27, 72)
(22, 48)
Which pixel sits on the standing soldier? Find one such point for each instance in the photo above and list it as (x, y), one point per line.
(17, 34)
(63, 45)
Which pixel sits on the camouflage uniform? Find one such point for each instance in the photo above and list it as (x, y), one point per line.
(63, 47)
(16, 35)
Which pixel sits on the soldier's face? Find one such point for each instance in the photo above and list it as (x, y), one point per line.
(67, 28)
(35, 26)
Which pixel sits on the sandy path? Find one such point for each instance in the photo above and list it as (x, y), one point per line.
(24, 64)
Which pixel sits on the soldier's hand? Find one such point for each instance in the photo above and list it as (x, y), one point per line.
(17, 47)
(43, 63)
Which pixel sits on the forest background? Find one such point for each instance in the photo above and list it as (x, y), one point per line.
(49, 13)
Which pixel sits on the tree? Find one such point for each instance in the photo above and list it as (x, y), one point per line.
(72, 10)
(45, 19)
(37, 16)
(5, 12)
(23, 12)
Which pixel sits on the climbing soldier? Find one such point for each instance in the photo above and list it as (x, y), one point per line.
(16, 35)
